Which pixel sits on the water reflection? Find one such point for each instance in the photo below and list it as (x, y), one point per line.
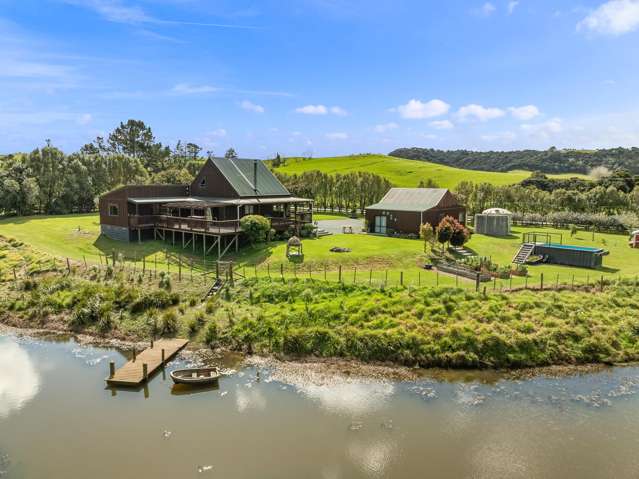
(19, 380)
(188, 389)
(372, 457)
(249, 398)
(348, 397)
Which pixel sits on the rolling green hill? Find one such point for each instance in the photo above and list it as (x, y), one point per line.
(401, 172)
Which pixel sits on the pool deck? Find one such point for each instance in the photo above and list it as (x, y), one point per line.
(132, 373)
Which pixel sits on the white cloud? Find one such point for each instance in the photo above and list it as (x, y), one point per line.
(118, 11)
(321, 110)
(312, 110)
(338, 135)
(250, 106)
(219, 133)
(614, 17)
(383, 128)
(338, 110)
(512, 5)
(417, 110)
(478, 112)
(545, 129)
(188, 89)
(488, 8)
(525, 113)
(85, 119)
(442, 124)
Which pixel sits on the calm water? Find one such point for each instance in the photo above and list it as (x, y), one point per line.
(57, 420)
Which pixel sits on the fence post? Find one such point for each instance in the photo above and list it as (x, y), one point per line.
(557, 282)
(602, 283)
(355, 275)
(526, 281)
(179, 269)
(339, 274)
(85, 262)
(419, 278)
(268, 270)
(282, 270)
(401, 278)
(476, 282)
(542, 281)
(191, 269)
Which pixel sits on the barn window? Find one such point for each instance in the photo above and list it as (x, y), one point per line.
(203, 182)
(114, 210)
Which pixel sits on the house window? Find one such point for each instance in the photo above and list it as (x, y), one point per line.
(114, 210)
(249, 209)
(203, 182)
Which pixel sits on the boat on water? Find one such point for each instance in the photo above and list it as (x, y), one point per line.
(195, 376)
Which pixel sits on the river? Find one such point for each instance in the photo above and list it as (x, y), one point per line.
(58, 420)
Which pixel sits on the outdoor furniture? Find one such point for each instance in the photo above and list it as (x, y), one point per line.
(347, 229)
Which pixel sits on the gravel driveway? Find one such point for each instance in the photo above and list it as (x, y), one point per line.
(335, 226)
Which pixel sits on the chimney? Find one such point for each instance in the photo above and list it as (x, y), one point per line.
(255, 176)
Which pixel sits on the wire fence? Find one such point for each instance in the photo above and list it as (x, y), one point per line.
(203, 272)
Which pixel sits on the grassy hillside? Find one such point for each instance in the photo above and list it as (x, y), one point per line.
(401, 172)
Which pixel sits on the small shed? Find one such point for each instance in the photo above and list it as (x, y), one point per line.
(493, 222)
(403, 210)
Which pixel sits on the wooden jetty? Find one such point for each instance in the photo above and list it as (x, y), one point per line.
(143, 365)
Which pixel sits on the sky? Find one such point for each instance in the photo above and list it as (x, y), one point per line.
(322, 77)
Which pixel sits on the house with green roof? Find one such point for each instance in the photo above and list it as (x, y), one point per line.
(204, 215)
(403, 210)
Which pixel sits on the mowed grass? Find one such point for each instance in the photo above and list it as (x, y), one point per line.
(374, 259)
(406, 173)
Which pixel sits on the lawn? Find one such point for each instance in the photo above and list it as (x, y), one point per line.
(373, 258)
(401, 172)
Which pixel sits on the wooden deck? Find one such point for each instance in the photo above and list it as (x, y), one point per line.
(132, 373)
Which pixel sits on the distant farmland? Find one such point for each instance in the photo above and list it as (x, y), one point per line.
(401, 172)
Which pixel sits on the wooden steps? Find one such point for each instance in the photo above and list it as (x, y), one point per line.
(215, 289)
(524, 253)
(133, 372)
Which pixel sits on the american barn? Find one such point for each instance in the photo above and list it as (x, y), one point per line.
(205, 214)
(403, 210)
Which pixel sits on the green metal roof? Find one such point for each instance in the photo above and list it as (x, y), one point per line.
(410, 199)
(240, 174)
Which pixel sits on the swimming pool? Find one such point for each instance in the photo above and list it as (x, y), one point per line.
(570, 255)
(572, 247)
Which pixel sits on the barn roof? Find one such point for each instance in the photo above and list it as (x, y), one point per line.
(410, 199)
(240, 173)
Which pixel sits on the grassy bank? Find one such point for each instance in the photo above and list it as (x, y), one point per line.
(449, 327)
(402, 172)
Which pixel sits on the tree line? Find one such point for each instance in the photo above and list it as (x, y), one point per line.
(338, 192)
(48, 181)
(552, 160)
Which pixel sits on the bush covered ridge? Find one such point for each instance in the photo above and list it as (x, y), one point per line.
(552, 160)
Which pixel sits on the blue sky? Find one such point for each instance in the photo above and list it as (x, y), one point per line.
(322, 77)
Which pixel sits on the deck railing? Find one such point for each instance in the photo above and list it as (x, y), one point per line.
(207, 226)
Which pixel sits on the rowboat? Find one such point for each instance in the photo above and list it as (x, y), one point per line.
(195, 376)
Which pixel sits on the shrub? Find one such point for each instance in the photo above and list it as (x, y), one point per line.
(159, 299)
(255, 227)
(210, 333)
(306, 230)
(169, 323)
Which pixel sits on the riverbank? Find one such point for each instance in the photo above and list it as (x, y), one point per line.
(294, 318)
